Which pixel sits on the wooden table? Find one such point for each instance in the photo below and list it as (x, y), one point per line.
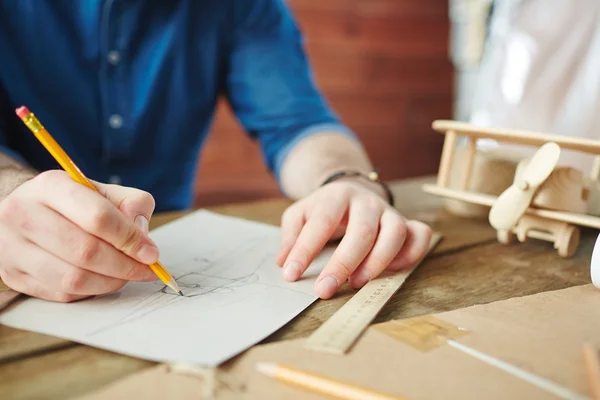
(469, 267)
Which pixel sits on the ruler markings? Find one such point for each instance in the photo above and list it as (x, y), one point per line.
(342, 329)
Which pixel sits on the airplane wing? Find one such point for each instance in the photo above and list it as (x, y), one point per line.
(488, 200)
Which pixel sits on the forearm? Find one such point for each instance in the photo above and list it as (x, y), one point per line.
(12, 174)
(316, 158)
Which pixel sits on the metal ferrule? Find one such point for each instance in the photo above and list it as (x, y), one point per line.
(33, 123)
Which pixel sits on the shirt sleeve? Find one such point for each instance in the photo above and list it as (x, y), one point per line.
(269, 81)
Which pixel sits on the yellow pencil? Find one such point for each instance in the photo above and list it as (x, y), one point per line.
(320, 384)
(592, 364)
(75, 173)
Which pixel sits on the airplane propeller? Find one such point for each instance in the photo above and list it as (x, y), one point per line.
(514, 201)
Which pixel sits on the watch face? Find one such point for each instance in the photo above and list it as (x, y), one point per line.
(595, 264)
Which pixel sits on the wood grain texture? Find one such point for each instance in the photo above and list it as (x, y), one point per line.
(64, 374)
(384, 29)
(517, 136)
(376, 8)
(478, 275)
(468, 267)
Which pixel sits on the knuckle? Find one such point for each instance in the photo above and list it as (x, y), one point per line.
(48, 180)
(74, 280)
(343, 267)
(7, 274)
(142, 199)
(373, 202)
(149, 200)
(288, 215)
(49, 176)
(339, 189)
(368, 232)
(88, 251)
(15, 213)
(413, 256)
(327, 222)
(423, 229)
(137, 201)
(345, 191)
(11, 208)
(376, 265)
(99, 219)
(303, 253)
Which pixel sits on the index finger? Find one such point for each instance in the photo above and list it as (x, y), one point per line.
(98, 216)
(321, 223)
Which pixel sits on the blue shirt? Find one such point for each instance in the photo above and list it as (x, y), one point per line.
(129, 87)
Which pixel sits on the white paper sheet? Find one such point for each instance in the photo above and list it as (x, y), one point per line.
(235, 296)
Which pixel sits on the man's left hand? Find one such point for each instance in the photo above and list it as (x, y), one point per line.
(375, 236)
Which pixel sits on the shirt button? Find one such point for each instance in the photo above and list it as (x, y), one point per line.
(114, 57)
(114, 180)
(115, 121)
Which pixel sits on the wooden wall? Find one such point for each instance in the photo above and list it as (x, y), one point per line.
(383, 66)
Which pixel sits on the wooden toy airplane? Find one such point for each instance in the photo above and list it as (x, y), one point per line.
(544, 201)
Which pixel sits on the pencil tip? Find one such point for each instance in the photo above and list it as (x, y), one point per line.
(267, 368)
(181, 293)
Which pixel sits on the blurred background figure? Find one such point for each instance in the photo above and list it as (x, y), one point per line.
(539, 70)
(529, 65)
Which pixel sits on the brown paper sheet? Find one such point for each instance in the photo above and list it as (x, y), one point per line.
(543, 334)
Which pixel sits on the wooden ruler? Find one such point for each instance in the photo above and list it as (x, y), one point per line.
(340, 331)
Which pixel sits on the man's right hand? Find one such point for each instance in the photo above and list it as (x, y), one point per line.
(61, 241)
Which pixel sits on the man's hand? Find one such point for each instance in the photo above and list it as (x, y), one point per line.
(375, 236)
(61, 241)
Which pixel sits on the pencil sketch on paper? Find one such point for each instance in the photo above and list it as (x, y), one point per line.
(234, 296)
(221, 278)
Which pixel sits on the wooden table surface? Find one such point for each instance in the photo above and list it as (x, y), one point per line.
(468, 267)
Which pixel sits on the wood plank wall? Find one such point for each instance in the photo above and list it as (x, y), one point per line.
(383, 66)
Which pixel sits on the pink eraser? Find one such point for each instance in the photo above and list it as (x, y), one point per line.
(22, 112)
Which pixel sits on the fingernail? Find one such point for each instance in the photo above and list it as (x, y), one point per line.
(327, 287)
(147, 254)
(361, 278)
(291, 271)
(142, 222)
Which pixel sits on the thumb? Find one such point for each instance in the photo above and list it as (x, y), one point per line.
(137, 205)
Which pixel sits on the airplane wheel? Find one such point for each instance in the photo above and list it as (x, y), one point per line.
(505, 237)
(568, 241)
(521, 231)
